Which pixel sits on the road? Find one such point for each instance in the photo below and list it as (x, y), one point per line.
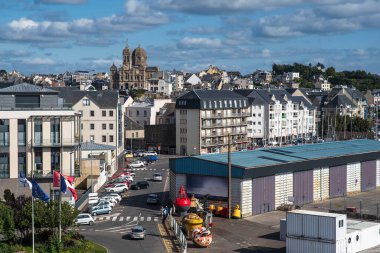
(112, 231)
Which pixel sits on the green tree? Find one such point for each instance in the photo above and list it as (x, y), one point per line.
(7, 227)
(330, 72)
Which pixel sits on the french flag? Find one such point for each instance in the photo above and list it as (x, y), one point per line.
(66, 182)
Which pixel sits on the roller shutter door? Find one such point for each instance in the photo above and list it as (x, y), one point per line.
(303, 187)
(338, 181)
(263, 194)
(368, 176)
(246, 198)
(321, 184)
(284, 188)
(353, 177)
(377, 173)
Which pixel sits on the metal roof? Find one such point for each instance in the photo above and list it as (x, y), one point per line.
(96, 146)
(26, 88)
(292, 154)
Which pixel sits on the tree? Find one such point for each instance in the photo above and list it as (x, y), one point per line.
(7, 226)
(330, 72)
(3, 72)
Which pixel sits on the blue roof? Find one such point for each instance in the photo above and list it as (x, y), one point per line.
(291, 154)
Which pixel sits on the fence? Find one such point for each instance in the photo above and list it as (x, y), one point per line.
(178, 233)
(367, 209)
(82, 201)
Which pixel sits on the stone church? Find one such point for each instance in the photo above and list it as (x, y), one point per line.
(134, 72)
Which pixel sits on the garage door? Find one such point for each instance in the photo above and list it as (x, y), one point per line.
(321, 183)
(263, 194)
(368, 175)
(377, 173)
(338, 181)
(353, 177)
(303, 187)
(284, 188)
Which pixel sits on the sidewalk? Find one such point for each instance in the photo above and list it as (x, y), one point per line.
(168, 238)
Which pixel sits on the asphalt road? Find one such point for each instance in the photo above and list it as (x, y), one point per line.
(112, 231)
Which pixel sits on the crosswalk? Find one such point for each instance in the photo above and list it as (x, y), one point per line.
(126, 218)
(151, 169)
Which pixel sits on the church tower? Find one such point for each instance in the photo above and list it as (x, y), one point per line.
(127, 57)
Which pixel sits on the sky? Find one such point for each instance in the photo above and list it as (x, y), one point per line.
(52, 36)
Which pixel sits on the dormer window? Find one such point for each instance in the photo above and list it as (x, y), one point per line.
(86, 101)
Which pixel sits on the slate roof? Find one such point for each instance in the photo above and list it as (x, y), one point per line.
(167, 110)
(95, 146)
(26, 88)
(103, 99)
(339, 100)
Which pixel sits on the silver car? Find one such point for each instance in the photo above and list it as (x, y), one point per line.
(152, 199)
(138, 232)
(157, 177)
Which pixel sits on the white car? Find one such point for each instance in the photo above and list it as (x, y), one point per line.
(157, 177)
(150, 153)
(117, 188)
(112, 195)
(127, 177)
(137, 164)
(106, 202)
(84, 218)
(110, 199)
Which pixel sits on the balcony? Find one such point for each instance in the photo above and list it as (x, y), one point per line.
(224, 125)
(222, 115)
(53, 143)
(224, 134)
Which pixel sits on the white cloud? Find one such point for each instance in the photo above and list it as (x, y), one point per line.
(39, 61)
(266, 53)
(189, 42)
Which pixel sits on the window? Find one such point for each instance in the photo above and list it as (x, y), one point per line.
(111, 113)
(22, 163)
(130, 113)
(4, 132)
(137, 134)
(254, 115)
(92, 138)
(55, 130)
(38, 160)
(21, 128)
(145, 113)
(341, 223)
(26, 101)
(81, 126)
(4, 165)
(111, 138)
(133, 134)
(86, 101)
(259, 115)
(104, 113)
(111, 126)
(104, 126)
(92, 126)
(38, 131)
(137, 113)
(104, 138)
(92, 113)
(55, 159)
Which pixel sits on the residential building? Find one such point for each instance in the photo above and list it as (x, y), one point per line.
(277, 116)
(289, 77)
(322, 85)
(205, 119)
(144, 113)
(166, 114)
(39, 133)
(102, 113)
(134, 134)
(161, 82)
(134, 72)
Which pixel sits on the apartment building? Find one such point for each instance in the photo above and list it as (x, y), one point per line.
(277, 116)
(144, 113)
(205, 119)
(39, 133)
(101, 113)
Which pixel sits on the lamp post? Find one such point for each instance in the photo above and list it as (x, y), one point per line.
(229, 177)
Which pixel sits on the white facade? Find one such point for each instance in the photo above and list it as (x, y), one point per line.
(283, 188)
(165, 87)
(145, 113)
(321, 184)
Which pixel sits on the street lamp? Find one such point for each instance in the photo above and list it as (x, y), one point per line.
(229, 176)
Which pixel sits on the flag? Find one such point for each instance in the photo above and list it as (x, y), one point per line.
(37, 192)
(24, 182)
(67, 183)
(56, 178)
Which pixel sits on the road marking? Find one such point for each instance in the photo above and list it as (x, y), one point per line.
(148, 218)
(170, 243)
(141, 218)
(135, 218)
(155, 218)
(114, 218)
(128, 218)
(108, 218)
(121, 218)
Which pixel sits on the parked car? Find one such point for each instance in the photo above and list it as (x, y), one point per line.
(138, 232)
(140, 185)
(119, 187)
(126, 178)
(110, 199)
(103, 209)
(84, 218)
(152, 199)
(102, 202)
(157, 177)
(112, 194)
(138, 153)
(137, 164)
(128, 154)
(147, 153)
(273, 143)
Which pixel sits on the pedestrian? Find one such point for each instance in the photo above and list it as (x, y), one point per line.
(165, 214)
(162, 212)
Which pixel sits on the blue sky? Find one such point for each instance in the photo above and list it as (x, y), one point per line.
(52, 36)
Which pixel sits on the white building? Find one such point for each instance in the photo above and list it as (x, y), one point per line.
(289, 77)
(144, 113)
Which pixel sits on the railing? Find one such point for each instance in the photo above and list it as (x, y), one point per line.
(82, 199)
(231, 115)
(37, 107)
(53, 143)
(178, 234)
(224, 125)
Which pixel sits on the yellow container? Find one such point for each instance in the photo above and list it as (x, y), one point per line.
(236, 213)
(218, 209)
(211, 207)
(191, 221)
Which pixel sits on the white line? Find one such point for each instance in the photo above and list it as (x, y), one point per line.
(108, 218)
(141, 218)
(148, 218)
(135, 218)
(155, 218)
(121, 218)
(114, 218)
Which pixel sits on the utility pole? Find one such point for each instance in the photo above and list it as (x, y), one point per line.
(229, 177)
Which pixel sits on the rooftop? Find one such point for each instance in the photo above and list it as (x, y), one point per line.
(291, 154)
(317, 213)
(96, 146)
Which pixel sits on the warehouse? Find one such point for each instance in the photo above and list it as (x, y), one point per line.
(264, 179)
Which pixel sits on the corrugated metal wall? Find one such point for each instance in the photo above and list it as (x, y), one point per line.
(303, 187)
(236, 192)
(377, 173)
(353, 177)
(321, 184)
(368, 176)
(172, 190)
(263, 194)
(284, 188)
(338, 181)
(246, 198)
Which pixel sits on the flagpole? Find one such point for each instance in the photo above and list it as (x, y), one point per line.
(32, 224)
